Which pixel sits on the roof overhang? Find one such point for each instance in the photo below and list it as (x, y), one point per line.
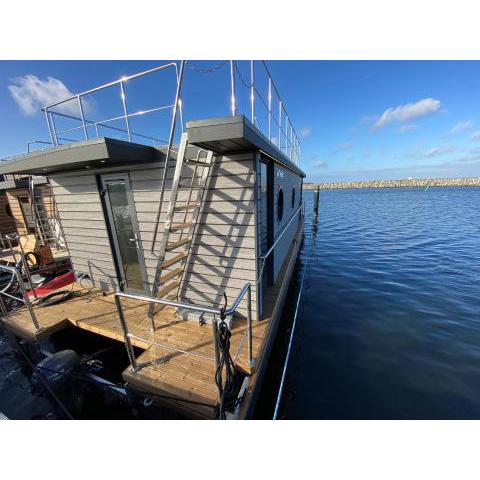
(234, 134)
(21, 183)
(100, 152)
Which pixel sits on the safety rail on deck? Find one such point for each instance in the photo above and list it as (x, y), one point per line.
(247, 290)
(263, 96)
(280, 130)
(51, 111)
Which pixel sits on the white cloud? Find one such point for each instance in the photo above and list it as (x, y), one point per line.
(406, 113)
(305, 132)
(461, 126)
(434, 152)
(407, 128)
(320, 164)
(476, 135)
(32, 93)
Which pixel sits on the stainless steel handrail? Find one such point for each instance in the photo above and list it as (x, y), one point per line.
(263, 258)
(85, 124)
(287, 134)
(187, 306)
(246, 290)
(287, 140)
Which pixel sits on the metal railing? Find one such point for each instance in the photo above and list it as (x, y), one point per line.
(51, 111)
(247, 290)
(16, 275)
(279, 130)
(264, 100)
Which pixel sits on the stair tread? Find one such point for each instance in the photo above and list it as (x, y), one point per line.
(182, 208)
(197, 162)
(167, 289)
(175, 259)
(180, 226)
(173, 245)
(169, 275)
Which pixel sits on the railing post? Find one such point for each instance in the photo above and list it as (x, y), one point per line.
(55, 136)
(280, 125)
(233, 101)
(49, 125)
(80, 106)
(249, 326)
(27, 300)
(27, 271)
(128, 343)
(215, 343)
(125, 112)
(269, 108)
(286, 135)
(252, 91)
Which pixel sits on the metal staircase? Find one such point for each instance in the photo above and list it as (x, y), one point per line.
(167, 282)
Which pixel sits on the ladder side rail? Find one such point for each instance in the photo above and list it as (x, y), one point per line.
(169, 150)
(168, 220)
(193, 228)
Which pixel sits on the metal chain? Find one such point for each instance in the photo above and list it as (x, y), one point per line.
(213, 69)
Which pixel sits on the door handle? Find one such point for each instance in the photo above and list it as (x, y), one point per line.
(135, 239)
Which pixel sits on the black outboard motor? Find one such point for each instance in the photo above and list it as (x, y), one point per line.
(55, 376)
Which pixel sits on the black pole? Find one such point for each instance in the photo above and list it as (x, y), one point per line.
(315, 204)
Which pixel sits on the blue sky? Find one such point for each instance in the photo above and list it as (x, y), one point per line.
(358, 120)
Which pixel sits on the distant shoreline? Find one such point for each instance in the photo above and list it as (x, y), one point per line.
(413, 182)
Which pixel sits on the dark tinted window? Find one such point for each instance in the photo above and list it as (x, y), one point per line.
(293, 197)
(280, 205)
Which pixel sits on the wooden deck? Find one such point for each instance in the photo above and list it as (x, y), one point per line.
(185, 381)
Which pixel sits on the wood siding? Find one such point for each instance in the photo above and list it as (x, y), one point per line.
(222, 256)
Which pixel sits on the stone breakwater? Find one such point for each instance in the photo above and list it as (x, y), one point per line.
(430, 182)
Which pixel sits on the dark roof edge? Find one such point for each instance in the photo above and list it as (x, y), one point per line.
(206, 133)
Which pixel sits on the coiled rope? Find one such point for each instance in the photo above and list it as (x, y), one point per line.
(226, 389)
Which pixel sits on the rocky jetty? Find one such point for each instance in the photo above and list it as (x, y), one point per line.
(411, 182)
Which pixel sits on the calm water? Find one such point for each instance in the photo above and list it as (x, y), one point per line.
(390, 324)
(390, 320)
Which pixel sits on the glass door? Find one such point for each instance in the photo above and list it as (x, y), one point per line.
(122, 221)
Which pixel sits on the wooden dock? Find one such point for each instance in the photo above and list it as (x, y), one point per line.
(182, 380)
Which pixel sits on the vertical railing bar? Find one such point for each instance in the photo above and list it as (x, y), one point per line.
(82, 116)
(269, 108)
(125, 111)
(52, 119)
(45, 110)
(280, 125)
(249, 326)
(252, 91)
(233, 101)
(128, 343)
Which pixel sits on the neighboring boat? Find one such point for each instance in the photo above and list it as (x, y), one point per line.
(183, 251)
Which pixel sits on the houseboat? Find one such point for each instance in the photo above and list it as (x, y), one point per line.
(181, 250)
